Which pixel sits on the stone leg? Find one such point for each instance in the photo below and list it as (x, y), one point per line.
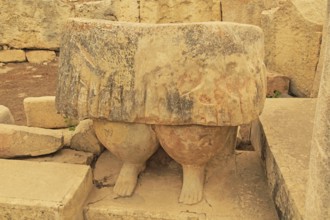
(193, 146)
(133, 144)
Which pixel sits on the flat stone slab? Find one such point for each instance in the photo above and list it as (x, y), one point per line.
(43, 190)
(287, 125)
(208, 73)
(65, 156)
(18, 141)
(234, 189)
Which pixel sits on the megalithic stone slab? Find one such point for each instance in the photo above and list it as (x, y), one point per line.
(43, 190)
(28, 141)
(198, 73)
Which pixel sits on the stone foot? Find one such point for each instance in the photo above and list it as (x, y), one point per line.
(193, 183)
(127, 179)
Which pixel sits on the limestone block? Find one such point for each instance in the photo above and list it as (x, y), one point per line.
(38, 23)
(200, 73)
(5, 115)
(126, 10)
(106, 170)
(94, 9)
(163, 11)
(9, 56)
(277, 82)
(39, 191)
(292, 45)
(26, 141)
(241, 11)
(41, 112)
(40, 56)
(65, 156)
(84, 138)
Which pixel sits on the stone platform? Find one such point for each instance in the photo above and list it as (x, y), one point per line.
(43, 190)
(283, 138)
(235, 188)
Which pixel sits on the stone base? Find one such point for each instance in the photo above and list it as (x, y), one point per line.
(235, 188)
(283, 138)
(34, 190)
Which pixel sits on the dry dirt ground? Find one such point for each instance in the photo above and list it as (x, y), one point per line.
(21, 80)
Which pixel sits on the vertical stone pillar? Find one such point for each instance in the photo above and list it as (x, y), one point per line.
(318, 190)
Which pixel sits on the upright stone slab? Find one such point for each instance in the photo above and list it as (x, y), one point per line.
(43, 190)
(41, 112)
(199, 73)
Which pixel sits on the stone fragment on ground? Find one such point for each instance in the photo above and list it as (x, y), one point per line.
(43, 190)
(10, 56)
(17, 141)
(235, 188)
(66, 156)
(40, 56)
(106, 170)
(84, 138)
(277, 85)
(146, 90)
(41, 112)
(283, 137)
(5, 115)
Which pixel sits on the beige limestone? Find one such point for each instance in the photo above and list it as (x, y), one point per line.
(163, 11)
(242, 11)
(283, 140)
(84, 138)
(28, 141)
(9, 56)
(65, 156)
(292, 45)
(38, 24)
(318, 191)
(126, 10)
(200, 73)
(39, 191)
(193, 146)
(40, 56)
(106, 170)
(235, 188)
(279, 83)
(5, 115)
(133, 144)
(41, 112)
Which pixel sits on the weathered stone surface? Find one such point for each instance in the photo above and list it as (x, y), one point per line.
(38, 24)
(201, 73)
(235, 189)
(28, 141)
(317, 198)
(41, 112)
(241, 11)
(292, 43)
(283, 139)
(106, 170)
(8, 56)
(65, 156)
(133, 144)
(126, 10)
(5, 115)
(39, 191)
(277, 85)
(40, 56)
(84, 138)
(163, 11)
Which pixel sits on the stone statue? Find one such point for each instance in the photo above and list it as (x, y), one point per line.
(187, 86)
